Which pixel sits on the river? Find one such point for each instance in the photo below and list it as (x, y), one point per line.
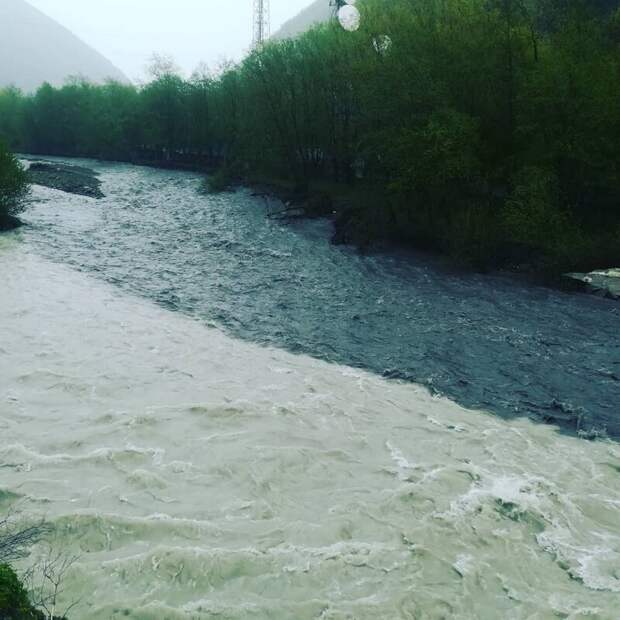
(191, 394)
(486, 342)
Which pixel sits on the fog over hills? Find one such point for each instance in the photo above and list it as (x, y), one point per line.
(36, 49)
(319, 11)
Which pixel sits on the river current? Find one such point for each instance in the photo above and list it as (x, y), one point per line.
(191, 394)
(484, 341)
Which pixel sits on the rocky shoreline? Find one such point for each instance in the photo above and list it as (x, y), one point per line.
(66, 178)
(350, 229)
(604, 283)
(302, 203)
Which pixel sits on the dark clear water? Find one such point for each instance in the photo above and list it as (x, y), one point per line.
(485, 341)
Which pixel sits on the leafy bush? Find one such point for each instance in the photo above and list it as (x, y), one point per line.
(219, 181)
(438, 156)
(473, 234)
(13, 184)
(534, 218)
(14, 603)
(436, 177)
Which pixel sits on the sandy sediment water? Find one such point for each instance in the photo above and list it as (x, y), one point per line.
(199, 476)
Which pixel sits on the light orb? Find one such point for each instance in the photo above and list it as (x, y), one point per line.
(349, 18)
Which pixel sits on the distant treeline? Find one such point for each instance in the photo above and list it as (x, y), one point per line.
(489, 129)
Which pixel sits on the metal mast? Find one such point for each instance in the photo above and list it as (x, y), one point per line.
(262, 22)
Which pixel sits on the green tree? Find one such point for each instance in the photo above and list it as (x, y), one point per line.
(13, 186)
(14, 602)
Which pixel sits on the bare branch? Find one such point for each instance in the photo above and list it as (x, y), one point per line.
(16, 539)
(46, 582)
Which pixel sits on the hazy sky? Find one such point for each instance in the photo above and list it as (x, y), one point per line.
(128, 32)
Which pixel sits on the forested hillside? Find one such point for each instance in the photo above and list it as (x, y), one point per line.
(488, 129)
(36, 49)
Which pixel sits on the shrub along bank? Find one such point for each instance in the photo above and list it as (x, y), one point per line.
(13, 189)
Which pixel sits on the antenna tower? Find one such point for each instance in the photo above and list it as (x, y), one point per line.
(337, 4)
(262, 22)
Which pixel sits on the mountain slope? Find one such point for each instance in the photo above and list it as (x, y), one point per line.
(318, 12)
(36, 49)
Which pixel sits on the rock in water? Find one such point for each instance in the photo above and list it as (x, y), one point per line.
(71, 179)
(605, 283)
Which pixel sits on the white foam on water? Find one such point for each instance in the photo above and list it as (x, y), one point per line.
(464, 564)
(197, 476)
(403, 464)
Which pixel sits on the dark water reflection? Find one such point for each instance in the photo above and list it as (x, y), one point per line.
(486, 342)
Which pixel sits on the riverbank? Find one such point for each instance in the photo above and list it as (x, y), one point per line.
(351, 208)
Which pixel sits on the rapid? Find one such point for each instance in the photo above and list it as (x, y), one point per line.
(191, 393)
